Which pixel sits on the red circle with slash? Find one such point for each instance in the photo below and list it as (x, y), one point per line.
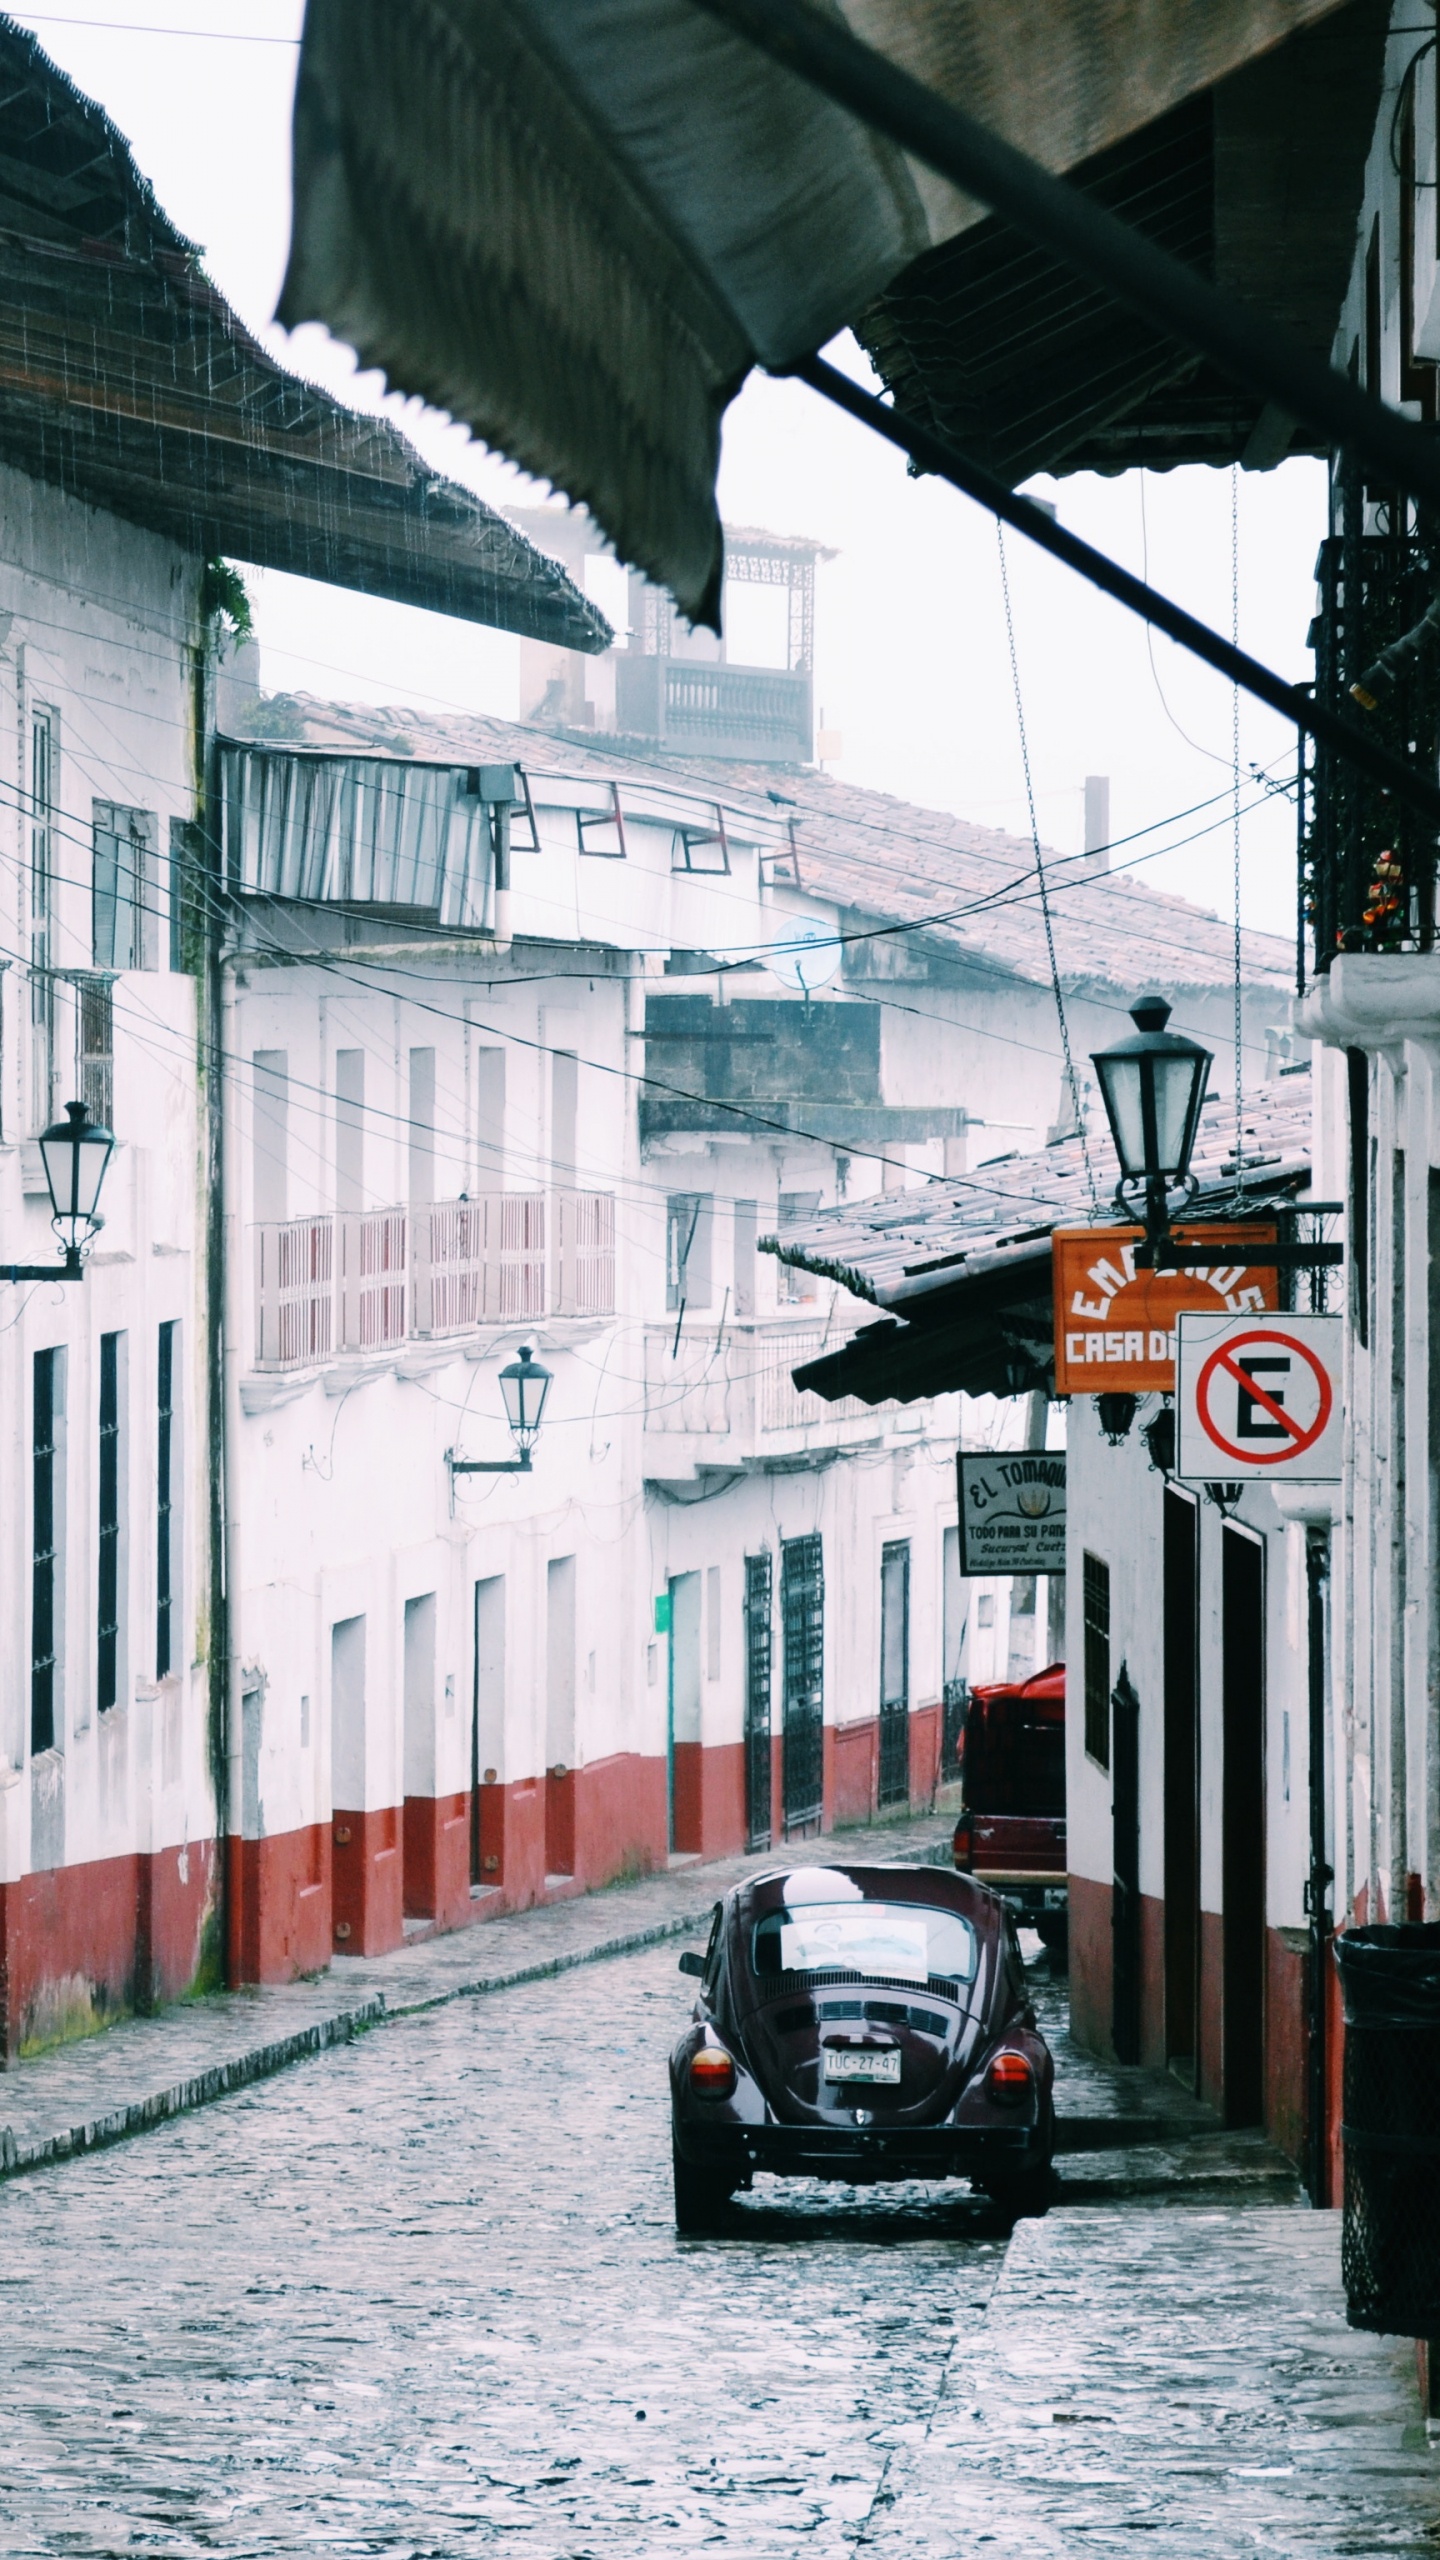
(1301, 1437)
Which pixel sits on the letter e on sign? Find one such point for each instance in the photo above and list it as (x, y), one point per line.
(1258, 1397)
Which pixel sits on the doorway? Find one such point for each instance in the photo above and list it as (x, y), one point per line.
(487, 1736)
(1181, 1641)
(802, 1618)
(894, 1787)
(684, 1733)
(1242, 1675)
(1125, 1891)
(758, 1647)
(420, 1883)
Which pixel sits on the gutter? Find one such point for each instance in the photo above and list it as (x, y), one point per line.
(215, 1035)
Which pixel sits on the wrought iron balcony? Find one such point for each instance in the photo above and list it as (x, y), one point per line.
(1368, 866)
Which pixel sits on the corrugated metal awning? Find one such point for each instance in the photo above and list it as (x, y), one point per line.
(578, 228)
(963, 1267)
(126, 379)
(358, 831)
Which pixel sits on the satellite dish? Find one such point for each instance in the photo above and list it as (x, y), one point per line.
(806, 953)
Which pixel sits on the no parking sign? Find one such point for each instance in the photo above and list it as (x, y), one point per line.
(1258, 1397)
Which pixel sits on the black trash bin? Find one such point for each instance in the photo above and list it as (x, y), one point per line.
(1390, 2247)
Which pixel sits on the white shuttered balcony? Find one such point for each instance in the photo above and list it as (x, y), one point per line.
(366, 1282)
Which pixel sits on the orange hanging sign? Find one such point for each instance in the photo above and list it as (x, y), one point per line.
(1115, 1326)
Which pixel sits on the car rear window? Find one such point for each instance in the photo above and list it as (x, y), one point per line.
(880, 1941)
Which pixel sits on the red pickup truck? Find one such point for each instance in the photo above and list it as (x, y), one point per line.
(1011, 1831)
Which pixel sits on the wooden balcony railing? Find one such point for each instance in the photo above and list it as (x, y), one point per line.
(739, 1383)
(364, 1282)
(295, 1292)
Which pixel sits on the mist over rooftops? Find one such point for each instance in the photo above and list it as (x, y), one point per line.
(957, 887)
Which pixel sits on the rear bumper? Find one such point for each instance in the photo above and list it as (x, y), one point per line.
(1031, 1897)
(862, 2157)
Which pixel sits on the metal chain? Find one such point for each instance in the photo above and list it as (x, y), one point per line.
(1070, 1075)
(1235, 833)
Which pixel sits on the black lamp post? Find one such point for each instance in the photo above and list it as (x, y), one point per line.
(524, 1386)
(75, 1152)
(1153, 1087)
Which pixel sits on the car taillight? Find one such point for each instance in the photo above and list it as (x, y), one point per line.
(1010, 2078)
(712, 2073)
(963, 1844)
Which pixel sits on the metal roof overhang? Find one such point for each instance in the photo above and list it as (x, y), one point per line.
(133, 386)
(126, 379)
(984, 1323)
(986, 1330)
(1256, 182)
(578, 229)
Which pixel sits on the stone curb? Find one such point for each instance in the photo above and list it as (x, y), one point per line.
(262, 2062)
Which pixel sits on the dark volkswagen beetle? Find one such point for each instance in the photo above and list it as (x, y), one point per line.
(860, 2023)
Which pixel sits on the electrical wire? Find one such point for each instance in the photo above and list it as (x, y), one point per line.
(1058, 991)
(1235, 837)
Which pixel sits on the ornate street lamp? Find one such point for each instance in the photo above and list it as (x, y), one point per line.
(1153, 1087)
(75, 1152)
(524, 1386)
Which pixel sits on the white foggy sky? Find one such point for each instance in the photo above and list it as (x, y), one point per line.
(912, 666)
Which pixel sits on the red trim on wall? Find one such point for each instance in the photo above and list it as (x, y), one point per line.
(925, 1740)
(435, 1839)
(1210, 2009)
(368, 1912)
(1152, 1982)
(1287, 1968)
(280, 1904)
(82, 1945)
(710, 1798)
(560, 1823)
(1091, 1964)
(857, 1769)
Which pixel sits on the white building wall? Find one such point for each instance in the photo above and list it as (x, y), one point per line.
(98, 629)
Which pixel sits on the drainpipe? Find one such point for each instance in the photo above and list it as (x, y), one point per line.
(200, 934)
(224, 1285)
(214, 1044)
(1317, 1889)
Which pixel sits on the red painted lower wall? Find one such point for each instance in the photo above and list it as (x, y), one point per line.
(609, 1819)
(856, 1765)
(1091, 1965)
(925, 1738)
(710, 1798)
(367, 1881)
(1334, 2078)
(280, 1905)
(436, 1859)
(82, 1945)
(1152, 1982)
(1287, 1976)
(1210, 2011)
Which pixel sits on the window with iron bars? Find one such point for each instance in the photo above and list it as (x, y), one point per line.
(95, 1047)
(1368, 862)
(1096, 1589)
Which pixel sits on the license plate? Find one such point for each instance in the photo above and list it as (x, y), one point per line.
(861, 2066)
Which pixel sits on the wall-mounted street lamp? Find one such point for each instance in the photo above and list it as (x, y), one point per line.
(524, 1386)
(1153, 1087)
(75, 1152)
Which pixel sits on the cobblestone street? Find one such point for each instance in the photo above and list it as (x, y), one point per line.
(423, 2294)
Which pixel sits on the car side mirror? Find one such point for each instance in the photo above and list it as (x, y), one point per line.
(690, 1962)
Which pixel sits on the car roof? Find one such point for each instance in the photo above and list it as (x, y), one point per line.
(941, 1888)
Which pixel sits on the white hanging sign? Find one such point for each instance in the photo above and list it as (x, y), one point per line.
(1259, 1397)
(1012, 1511)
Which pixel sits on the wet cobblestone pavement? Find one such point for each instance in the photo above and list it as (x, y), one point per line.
(414, 2296)
(142, 2071)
